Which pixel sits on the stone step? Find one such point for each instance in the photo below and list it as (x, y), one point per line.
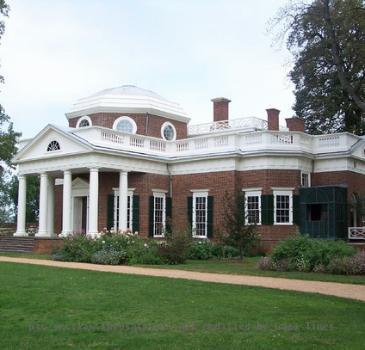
(16, 244)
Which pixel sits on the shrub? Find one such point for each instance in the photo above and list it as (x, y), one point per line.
(266, 263)
(176, 248)
(201, 250)
(354, 265)
(222, 251)
(304, 253)
(109, 257)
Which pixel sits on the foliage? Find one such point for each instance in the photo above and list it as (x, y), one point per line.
(305, 254)
(327, 40)
(222, 251)
(201, 250)
(236, 232)
(175, 249)
(109, 257)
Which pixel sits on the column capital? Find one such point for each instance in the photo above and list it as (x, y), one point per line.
(67, 171)
(94, 169)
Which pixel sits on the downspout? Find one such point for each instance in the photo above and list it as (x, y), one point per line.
(147, 122)
(170, 179)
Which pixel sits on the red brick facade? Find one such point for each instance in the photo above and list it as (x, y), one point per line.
(147, 124)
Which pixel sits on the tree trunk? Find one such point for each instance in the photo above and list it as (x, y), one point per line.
(337, 59)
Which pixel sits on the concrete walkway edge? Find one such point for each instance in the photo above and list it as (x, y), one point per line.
(343, 290)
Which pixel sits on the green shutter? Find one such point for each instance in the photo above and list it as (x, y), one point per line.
(190, 211)
(151, 212)
(267, 209)
(210, 216)
(110, 212)
(168, 214)
(135, 208)
(296, 210)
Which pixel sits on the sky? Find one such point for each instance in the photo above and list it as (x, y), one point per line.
(188, 51)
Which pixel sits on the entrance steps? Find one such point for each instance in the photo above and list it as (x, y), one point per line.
(17, 244)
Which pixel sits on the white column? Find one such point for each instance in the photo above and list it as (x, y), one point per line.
(50, 207)
(93, 202)
(66, 208)
(123, 200)
(43, 196)
(22, 205)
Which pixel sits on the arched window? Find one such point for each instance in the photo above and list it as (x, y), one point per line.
(126, 125)
(168, 132)
(84, 122)
(53, 146)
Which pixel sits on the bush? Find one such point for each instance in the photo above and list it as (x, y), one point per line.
(266, 263)
(109, 257)
(201, 250)
(225, 251)
(304, 253)
(354, 265)
(176, 248)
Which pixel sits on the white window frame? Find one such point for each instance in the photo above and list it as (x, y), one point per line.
(134, 125)
(284, 192)
(252, 193)
(116, 209)
(301, 178)
(164, 125)
(198, 194)
(86, 117)
(161, 195)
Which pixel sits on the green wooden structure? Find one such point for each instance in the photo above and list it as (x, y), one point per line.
(323, 212)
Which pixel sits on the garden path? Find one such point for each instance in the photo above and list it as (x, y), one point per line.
(343, 290)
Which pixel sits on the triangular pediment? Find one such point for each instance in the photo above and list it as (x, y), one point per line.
(80, 184)
(38, 148)
(359, 150)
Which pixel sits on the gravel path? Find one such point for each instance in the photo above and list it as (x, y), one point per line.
(350, 291)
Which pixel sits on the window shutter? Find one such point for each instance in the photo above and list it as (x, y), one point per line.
(110, 212)
(241, 208)
(296, 209)
(135, 208)
(151, 210)
(210, 216)
(267, 209)
(190, 211)
(168, 213)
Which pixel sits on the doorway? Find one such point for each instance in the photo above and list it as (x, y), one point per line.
(80, 214)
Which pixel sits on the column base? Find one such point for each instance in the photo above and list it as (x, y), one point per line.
(65, 234)
(20, 234)
(93, 235)
(42, 234)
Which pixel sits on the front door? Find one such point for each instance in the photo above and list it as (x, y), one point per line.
(80, 214)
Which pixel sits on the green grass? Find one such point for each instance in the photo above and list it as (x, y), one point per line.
(52, 308)
(249, 267)
(27, 255)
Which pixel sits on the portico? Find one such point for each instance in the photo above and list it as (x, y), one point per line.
(69, 208)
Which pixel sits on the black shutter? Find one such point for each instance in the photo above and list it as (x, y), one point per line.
(151, 210)
(267, 209)
(135, 208)
(168, 214)
(110, 212)
(190, 211)
(241, 207)
(296, 210)
(210, 216)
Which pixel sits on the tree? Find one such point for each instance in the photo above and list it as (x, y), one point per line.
(327, 40)
(8, 140)
(237, 232)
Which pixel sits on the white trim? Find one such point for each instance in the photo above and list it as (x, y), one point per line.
(288, 189)
(163, 196)
(198, 194)
(284, 192)
(164, 125)
(86, 117)
(154, 190)
(115, 208)
(253, 193)
(309, 178)
(134, 125)
(252, 189)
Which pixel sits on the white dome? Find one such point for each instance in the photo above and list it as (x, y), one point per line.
(127, 99)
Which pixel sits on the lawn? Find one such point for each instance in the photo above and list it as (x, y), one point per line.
(53, 308)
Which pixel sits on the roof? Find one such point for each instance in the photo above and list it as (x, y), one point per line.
(127, 99)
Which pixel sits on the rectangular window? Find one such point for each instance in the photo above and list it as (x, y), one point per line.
(159, 214)
(200, 214)
(129, 210)
(305, 181)
(253, 207)
(283, 207)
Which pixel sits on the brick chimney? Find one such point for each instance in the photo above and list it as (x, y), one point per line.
(295, 124)
(220, 108)
(273, 119)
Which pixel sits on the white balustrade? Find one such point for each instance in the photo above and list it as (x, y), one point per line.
(356, 232)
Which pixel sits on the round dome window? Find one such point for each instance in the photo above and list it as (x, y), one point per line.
(168, 132)
(126, 125)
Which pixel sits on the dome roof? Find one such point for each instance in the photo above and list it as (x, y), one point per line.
(127, 99)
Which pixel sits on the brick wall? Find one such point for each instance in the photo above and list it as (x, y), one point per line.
(147, 124)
